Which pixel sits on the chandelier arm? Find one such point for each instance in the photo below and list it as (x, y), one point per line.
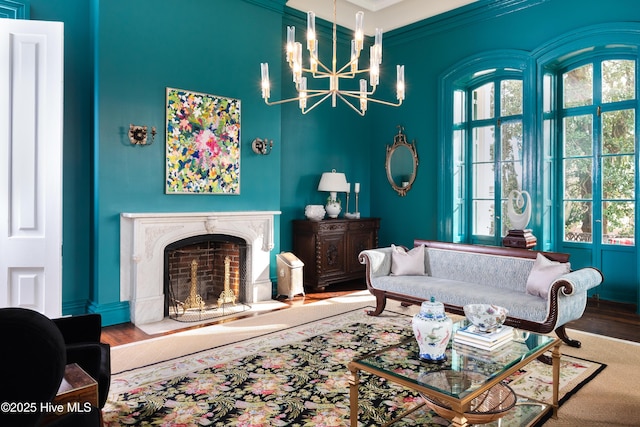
(318, 102)
(316, 92)
(348, 65)
(391, 104)
(350, 104)
(317, 74)
(298, 98)
(353, 94)
(324, 67)
(357, 93)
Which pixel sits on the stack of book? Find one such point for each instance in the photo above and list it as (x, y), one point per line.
(470, 335)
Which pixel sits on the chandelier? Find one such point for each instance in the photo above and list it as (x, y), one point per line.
(356, 99)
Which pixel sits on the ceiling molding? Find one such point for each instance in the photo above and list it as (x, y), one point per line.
(275, 5)
(14, 9)
(479, 11)
(374, 5)
(385, 14)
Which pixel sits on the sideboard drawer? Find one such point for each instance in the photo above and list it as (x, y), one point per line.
(364, 224)
(329, 226)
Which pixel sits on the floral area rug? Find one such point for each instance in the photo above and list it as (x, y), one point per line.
(299, 377)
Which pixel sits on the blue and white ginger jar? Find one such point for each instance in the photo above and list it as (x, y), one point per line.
(432, 329)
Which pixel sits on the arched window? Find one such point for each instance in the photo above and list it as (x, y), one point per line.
(589, 124)
(485, 150)
(597, 117)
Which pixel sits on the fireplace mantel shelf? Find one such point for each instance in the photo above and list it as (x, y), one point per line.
(196, 214)
(145, 235)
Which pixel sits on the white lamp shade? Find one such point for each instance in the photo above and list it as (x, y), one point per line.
(333, 182)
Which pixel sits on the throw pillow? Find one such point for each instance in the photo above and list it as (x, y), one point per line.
(542, 275)
(405, 263)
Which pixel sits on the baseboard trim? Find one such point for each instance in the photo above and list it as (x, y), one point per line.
(112, 313)
(74, 308)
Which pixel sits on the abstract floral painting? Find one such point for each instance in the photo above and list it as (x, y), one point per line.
(203, 143)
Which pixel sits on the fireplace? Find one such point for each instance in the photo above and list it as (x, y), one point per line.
(144, 237)
(205, 277)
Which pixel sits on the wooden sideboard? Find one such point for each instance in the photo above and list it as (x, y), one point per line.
(329, 249)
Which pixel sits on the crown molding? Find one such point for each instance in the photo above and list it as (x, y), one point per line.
(274, 5)
(481, 10)
(14, 9)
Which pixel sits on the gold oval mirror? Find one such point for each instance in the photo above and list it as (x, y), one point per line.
(401, 163)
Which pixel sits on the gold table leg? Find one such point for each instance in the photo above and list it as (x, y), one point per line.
(459, 421)
(556, 376)
(354, 383)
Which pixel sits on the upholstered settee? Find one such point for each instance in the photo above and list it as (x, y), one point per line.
(540, 291)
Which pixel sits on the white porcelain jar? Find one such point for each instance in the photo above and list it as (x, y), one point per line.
(432, 329)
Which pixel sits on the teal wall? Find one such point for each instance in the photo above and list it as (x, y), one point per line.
(142, 48)
(77, 148)
(121, 55)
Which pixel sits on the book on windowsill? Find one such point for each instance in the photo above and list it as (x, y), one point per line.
(471, 335)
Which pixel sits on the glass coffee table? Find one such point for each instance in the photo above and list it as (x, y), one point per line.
(452, 388)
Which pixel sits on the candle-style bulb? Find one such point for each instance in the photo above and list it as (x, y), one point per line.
(400, 82)
(264, 71)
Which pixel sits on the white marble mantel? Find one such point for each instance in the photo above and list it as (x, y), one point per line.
(144, 236)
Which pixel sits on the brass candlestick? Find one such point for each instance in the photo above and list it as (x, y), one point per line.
(347, 211)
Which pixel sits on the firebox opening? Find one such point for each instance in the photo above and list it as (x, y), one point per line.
(205, 277)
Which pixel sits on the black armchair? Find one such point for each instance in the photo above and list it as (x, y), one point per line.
(82, 339)
(32, 364)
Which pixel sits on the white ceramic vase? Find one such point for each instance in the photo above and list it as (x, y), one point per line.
(432, 329)
(314, 212)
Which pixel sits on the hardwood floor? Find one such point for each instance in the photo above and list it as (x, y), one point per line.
(127, 332)
(601, 317)
(611, 319)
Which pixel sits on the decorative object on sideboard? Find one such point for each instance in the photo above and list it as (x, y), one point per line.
(262, 146)
(138, 135)
(333, 182)
(314, 212)
(401, 163)
(346, 213)
(519, 213)
(318, 70)
(356, 188)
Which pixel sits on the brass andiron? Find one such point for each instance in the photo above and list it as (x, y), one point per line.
(227, 294)
(194, 300)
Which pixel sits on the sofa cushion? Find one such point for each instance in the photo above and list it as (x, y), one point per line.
(405, 263)
(543, 273)
(458, 293)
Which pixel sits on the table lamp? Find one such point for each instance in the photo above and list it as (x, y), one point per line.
(333, 182)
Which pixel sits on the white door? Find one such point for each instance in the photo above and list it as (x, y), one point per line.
(31, 82)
